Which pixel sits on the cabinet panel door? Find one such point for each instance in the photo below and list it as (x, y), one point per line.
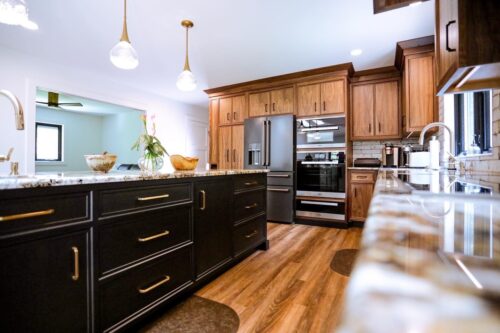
(333, 97)
(308, 98)
(447, 11)
(40, 288)
(225, 147)
(361, 195)
(420, 97)
(237, 152)
(213, 225)
(214, 130)
(387, 116)
(259, 104)
(225, 111)
(362, 111)
(282, 101)
(239, 109)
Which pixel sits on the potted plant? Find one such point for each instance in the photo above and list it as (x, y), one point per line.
(153, 151)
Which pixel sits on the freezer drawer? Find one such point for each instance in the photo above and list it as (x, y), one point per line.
(280, 203)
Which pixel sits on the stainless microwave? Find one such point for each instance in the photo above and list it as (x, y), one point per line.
(327, 132)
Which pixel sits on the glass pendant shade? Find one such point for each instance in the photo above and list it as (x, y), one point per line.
(186, 81)
(124, 56)
(14, 12)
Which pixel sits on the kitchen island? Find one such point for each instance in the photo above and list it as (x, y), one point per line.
(430, 256)
(85, 252)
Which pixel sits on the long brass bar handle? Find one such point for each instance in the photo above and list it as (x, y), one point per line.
(27, 215)
(254, 233)
(251, 183)
(203, 200)
(147, 239)
(76, 262)
(155, 197)
(254, 205)
(154, 286)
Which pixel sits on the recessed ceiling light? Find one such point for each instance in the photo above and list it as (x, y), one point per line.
(356, 52)
(415, 4)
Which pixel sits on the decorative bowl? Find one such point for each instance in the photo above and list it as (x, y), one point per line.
(101, 162)
(181, 163)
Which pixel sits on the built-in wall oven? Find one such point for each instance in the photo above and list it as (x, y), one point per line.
(321, 133)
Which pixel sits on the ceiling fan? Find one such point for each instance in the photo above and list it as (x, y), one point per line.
(53, 102)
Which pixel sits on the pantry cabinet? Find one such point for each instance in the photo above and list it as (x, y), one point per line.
(231, 141)
(213, 134)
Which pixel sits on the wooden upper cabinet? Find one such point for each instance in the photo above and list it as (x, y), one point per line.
(387, 116)
(333, 97)
(237, 146)
(467, 39)
(420, 101)
(214, 130)
(259, 104)
(308, 100)
(225, 147)
(363, 99)
(225, 111)
(239, 109)
(282, 101)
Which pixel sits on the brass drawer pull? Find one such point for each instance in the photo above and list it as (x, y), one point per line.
(156, 197)
(27, 215)
(254, 205)
(251, 183)
(254, 233)
(147, 239)
(154, 286)
(76, 262)
(203, 200)
(360, 177)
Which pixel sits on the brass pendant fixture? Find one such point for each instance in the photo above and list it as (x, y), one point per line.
(186, 80)
(123, 55)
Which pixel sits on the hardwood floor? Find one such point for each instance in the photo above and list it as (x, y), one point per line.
(290, 287)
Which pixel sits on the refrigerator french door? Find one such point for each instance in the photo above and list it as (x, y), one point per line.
(270, 144)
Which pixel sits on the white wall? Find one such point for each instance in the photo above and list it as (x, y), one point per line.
(22, 74)
(119, 133)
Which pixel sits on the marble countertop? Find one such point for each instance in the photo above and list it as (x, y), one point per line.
(429, 259)
(363, 168)
(76, 178)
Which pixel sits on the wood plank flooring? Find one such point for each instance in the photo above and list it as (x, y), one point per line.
(290, 287)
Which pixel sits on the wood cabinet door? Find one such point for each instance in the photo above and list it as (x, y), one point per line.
(447, 38)
(361, 195)
(239, 109)
(237, 151)
(259, 104)
(214, 130)
(282, 101)
(45, 285)
(362, 112)
(225, 111)
(420, 96)
(333, 97)
(212, 224)
(225, 147)
(308, 100)
(387, 111)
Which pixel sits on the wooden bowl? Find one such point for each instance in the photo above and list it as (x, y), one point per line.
(101, 162)
(181, 163)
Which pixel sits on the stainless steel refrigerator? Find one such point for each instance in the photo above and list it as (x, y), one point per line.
(270, 144)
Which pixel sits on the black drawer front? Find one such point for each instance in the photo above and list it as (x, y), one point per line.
(247, 204)
(140, 235)
(249, 234)
(280, 178)
(138, 288)
(121, 201)
(21, 214)
(247, 182)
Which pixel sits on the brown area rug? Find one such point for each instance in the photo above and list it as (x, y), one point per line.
(343, 261)
(196, 315)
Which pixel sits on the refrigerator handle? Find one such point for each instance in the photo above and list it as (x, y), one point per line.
(264, 146)
(268, 148)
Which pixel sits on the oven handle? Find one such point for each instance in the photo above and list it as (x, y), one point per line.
(320, 203)
(318, 129)
(317, 162)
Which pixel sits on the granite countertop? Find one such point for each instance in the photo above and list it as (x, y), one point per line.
(76, 178)
(429, 258)
(363, 168)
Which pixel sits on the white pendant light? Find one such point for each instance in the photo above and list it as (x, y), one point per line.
(123, 55)
(15, 12)
(186, 80)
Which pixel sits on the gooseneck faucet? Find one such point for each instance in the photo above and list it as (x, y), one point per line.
(19, 114)
(451, 153)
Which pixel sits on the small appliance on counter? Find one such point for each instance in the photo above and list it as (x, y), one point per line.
(367, 163)
(390, 156)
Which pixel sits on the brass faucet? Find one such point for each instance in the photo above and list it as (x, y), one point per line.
(19, 113)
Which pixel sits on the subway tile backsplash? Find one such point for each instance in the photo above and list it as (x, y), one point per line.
(363, 149)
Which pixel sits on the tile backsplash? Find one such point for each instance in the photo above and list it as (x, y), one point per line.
(363, 149)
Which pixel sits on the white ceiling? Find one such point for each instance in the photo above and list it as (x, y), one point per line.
(232, 41)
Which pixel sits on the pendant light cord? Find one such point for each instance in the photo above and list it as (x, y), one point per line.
(125, 31)
(186, 63)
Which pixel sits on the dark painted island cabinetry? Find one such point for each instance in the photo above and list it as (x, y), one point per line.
(101, 257)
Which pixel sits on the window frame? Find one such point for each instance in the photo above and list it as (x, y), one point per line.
(60, 143)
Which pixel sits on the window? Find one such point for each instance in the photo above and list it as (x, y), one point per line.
(473, 122)
(48, 142)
